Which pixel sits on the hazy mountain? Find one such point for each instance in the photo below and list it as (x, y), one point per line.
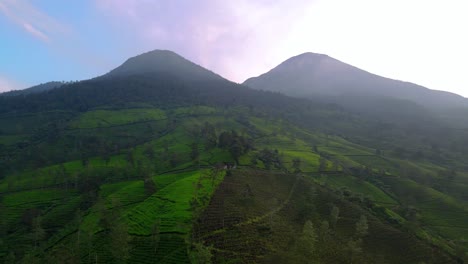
(35, 89)
(311, 74)
(163, 62)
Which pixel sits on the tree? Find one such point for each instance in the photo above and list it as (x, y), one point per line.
(208, 133)
(11, 258)
(149, 152)
(305, 248)
(225, 139)
(149, 185)
(296, 164)
(38, 232)
(120, 245)
(195, 153)
(270, 157)
(130, 158)
(201, 254)
(322, 164)
(155, 234)
(324, 232)
(334, 215)
(78, 220)
(3, 221)
(84, 160)
(354, 249)
(174, 160)
(315, 149)
(236, 150)
(62, 172)
(235, 144)
(194, 131)
(253, 160)
(362, 227)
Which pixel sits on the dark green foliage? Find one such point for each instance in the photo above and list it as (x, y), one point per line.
(201, 254)
(297, 165)
(150, 187)
(195, 152)
(235, 144)
(208, 134)
(270, 158)
(120, 242)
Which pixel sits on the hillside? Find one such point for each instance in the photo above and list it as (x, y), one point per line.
(159, 168)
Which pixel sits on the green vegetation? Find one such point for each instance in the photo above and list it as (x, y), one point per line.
(157, 189)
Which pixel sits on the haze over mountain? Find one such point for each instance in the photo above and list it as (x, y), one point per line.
(312, 74)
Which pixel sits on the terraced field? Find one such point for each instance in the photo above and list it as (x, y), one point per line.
(150, 183)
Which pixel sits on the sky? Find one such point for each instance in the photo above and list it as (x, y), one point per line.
(421, 41)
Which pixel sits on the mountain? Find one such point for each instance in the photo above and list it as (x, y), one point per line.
(35, 89)
(162, 161)
(312, 74)
(165, 62)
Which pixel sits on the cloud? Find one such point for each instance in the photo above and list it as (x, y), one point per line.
(61, 38)
(221, 35)
(32, 20)
(36, 32)
(243, 38)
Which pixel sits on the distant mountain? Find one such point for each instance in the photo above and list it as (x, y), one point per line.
(311, 74)
(35, 89)
(163, 62)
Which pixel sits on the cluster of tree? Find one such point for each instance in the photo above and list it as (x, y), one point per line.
(236, 144)
(321, 243)
(270, 158)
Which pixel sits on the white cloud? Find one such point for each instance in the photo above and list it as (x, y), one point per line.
(32, 20)
(36, 32)
(232, 38)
